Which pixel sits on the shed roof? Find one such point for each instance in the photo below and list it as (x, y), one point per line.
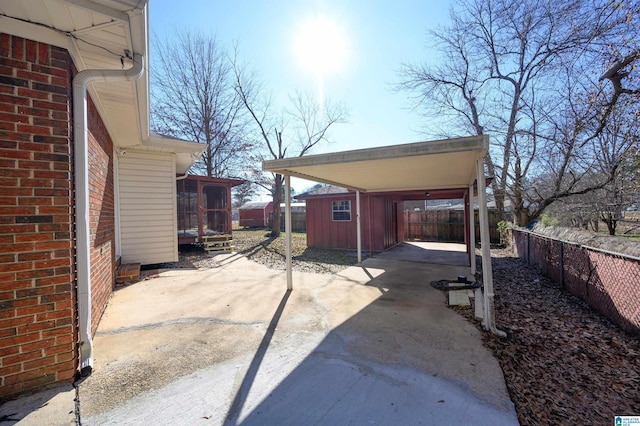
(255, 205)
(215, 180)
(323, 191)
(441, 164)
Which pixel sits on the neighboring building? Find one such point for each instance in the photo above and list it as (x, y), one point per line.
(299, 207)
(84, 184)
(204, 207)
(255, 214)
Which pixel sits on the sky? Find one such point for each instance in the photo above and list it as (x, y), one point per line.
(365, 42)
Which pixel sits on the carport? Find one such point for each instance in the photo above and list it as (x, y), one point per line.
(447, 165)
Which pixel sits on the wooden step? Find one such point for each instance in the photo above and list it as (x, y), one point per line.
(218, 243)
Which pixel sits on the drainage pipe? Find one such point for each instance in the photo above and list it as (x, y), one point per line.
(83, 235)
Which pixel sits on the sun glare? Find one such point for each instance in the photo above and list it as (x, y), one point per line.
(320, 46)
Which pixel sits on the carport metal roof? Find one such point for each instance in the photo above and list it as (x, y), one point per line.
(442, 164)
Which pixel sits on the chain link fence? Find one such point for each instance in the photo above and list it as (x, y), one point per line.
(608, 282)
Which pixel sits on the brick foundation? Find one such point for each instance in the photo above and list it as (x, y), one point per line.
(128, 273)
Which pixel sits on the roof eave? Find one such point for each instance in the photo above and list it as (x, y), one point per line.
(444, 146)
(441, 164)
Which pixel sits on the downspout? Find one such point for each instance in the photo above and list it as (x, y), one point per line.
(83, 235)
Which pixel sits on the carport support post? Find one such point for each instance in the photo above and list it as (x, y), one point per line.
(487, 273)
(472, 232)
(287, 228)
(358, 230)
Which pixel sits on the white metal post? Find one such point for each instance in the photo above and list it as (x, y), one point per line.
(287, 227)
(358, 230)
(487, 272)
(472, 231)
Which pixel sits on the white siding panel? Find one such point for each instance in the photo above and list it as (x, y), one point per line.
(148, 225)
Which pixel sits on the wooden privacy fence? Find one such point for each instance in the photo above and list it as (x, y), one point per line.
(298, 221)
(444, 225)
(606, 281)
(435, 225)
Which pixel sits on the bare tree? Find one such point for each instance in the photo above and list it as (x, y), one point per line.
(526, 73)
(194, 98)
(608, 203)
(291, 132)
(243, 193)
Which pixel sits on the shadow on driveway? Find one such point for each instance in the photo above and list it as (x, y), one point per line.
(243, 392)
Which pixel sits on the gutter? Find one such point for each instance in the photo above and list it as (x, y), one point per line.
(81, 169)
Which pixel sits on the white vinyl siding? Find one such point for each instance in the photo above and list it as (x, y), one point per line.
(147, 198)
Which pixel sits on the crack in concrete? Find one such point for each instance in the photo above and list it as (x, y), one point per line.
(193, 320)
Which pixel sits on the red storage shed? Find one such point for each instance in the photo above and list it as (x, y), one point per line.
(331, 216)
(255, 214)
(331, 219)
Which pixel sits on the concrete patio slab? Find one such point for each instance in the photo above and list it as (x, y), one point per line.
(55, 407)
(372, 344)
(428, 252)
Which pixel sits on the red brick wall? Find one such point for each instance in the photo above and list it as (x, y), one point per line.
(101, 215)
(38, 326)
(37, 299)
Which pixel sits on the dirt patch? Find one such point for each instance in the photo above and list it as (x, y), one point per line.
(563, 362)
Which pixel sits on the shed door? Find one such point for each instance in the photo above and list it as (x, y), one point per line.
(148, 224)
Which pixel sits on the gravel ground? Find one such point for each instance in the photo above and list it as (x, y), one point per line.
(256, 245)
(563, 363)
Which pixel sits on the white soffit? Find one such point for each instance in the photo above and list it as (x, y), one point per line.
(96, 33)
(441, 164)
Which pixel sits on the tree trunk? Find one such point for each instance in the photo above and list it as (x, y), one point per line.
(609, 219)
(522, 215)
(277, 199)
(520, 212)
(498, 194)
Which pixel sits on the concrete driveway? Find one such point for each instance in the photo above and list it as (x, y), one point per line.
(374, 344)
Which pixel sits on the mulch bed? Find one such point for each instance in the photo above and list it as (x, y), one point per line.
(563, 362)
